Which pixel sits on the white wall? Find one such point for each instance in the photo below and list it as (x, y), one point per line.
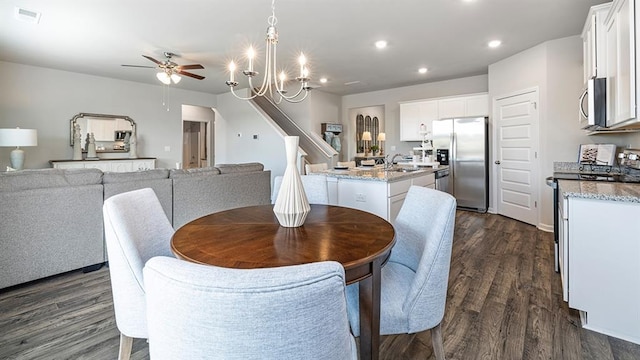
(46, 99)
(390, 98)
(318, 108)
(235, 116)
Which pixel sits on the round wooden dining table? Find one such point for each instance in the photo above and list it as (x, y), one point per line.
(251, 237)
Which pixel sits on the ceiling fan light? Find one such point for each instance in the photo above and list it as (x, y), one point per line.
(163, 77)
(175, 78)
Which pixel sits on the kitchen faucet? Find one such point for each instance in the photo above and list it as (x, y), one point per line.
(390, 164)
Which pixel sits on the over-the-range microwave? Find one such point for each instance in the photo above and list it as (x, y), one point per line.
(595, 96)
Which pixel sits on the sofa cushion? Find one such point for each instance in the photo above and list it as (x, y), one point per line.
(196, 196)
(239, 168)
(48, 178)
(177, 173)
(116, 177)
(156, 179)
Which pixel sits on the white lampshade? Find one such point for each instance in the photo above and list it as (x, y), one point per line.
(382, 137)
(163, 77)
(366, 136)
(175, 78)
(18, 137)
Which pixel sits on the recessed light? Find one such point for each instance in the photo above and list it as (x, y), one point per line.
(422, 70)
(494, 43)
(381, 44)
(323, 80)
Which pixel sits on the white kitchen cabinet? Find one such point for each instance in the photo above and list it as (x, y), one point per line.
(477, 105)
(414, 114)
(463, 106)
(397, 192)
(107, 165)
(594, 46)
(621, 62)
(382, 198)
(600, 264)
(451, 108)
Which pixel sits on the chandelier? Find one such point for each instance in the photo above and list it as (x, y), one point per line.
(272, 85)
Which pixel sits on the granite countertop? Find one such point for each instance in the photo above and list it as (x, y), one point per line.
(378, 173)
(600, 190)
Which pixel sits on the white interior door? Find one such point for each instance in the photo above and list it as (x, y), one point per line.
(516, 160)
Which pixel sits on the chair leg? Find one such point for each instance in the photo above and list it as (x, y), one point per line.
(125, 347)
(436, 339)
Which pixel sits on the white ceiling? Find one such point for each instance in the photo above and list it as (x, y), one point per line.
(447, 36)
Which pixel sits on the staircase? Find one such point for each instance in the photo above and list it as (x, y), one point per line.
(317, 150)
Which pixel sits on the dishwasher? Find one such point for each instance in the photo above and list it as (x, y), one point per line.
(442, 180)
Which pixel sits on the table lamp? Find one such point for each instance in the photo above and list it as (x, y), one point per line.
(366, 136)
(18, 137)
(382, 137)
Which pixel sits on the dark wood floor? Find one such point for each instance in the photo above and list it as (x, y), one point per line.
(504, 302)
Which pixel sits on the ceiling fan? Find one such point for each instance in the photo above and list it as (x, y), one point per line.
(169, 71)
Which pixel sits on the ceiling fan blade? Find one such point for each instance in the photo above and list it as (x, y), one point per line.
(190, 67)
(190, 74)
(152, 59)
(140, 66)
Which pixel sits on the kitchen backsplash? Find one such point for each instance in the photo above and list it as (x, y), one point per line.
(630, 167)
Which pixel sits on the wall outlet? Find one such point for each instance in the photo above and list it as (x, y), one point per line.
(167, 148)
(393, 148)
(361, 197)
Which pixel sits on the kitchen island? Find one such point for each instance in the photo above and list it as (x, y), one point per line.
(599, 246)
(376, 190)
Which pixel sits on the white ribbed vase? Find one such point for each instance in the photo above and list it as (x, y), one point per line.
(292, 206)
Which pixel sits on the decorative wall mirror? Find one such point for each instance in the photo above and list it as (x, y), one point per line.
(109, 130)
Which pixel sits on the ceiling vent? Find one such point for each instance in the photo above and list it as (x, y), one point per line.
(27, 15)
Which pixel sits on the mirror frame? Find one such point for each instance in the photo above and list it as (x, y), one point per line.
(74, 120)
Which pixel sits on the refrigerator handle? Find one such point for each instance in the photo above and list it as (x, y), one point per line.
(453, 149)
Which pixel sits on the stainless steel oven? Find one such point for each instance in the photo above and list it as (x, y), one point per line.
(553, 182)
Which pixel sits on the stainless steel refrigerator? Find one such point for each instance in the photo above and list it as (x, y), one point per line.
(462, 143)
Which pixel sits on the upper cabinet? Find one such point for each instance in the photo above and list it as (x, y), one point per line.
(416, 117)
(594, 43)
(610, 42)
(621, 63)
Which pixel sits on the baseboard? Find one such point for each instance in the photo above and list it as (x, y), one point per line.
(545, 227)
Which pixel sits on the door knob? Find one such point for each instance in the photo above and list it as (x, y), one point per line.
(497, 162)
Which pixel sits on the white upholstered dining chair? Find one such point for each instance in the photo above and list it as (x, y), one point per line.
(414, 280)
(136, 229)
(311, 168)
(207, 312)
(348, 164)
(315, 186)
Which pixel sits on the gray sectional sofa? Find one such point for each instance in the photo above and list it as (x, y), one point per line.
(51, 219)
